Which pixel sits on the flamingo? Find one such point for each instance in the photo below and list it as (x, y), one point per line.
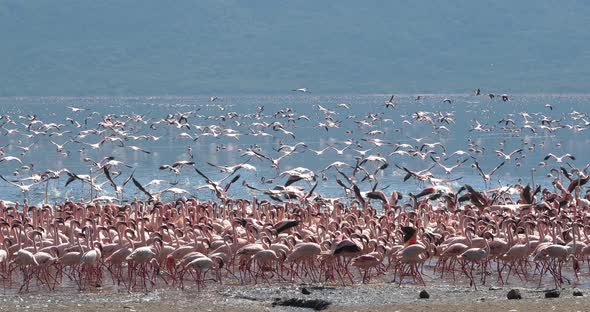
(473, 256)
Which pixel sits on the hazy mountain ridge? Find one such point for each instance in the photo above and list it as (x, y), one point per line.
(200, 47)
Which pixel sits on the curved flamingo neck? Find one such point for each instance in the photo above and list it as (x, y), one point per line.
(130, 242)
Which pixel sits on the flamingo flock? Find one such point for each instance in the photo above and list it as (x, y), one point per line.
(284, 226)
(309, 240)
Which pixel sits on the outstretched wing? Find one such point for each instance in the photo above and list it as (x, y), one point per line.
(108, 175)
(497, 167)
(236, 178)
(311, 191)
(141, 188)
(203, 175)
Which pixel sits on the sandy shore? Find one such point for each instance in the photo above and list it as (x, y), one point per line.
(523, 305)
(376, 297)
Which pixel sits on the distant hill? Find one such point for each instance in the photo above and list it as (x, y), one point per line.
(182, 47)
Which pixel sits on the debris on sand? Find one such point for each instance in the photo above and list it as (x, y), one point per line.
(424, 295)
(514, 294)
(554, 293)
(316, 304)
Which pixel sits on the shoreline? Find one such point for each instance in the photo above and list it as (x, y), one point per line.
(375, 297)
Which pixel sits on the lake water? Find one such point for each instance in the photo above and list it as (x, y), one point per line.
(398, 124)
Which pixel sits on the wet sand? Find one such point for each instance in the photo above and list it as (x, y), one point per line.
(375, 297)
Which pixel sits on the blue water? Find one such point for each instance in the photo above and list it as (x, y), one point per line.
(271, 46)
(465, 109)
